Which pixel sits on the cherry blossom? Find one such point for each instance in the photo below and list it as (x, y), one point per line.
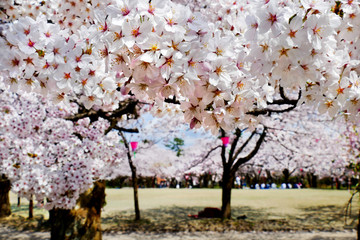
(43, 155)
(221, 64)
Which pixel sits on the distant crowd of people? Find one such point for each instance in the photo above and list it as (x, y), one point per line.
(274, 186)
(241, 183)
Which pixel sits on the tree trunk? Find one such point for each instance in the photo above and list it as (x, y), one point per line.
(314, 180)
(358, 227)
(82, 223)
(153, 182)
(18, 203)
(134, 178)
(227, 183)
(268, 175)
(136, 196)
(248, 181)
(31, 207)
(5, 207)
(349, 183)
(286, 175)
(62, 222)
(337, 184)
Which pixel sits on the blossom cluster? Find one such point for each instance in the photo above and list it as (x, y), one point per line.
(351, 137)
(305, 143)
(43, 155)
(219, 59)
(300, 141)
(298, 45)
(215, 62)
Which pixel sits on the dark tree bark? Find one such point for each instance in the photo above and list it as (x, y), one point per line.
(358, 227)
(337, 183)
(286, 175)
(62, 223)
(231, 164)
(153, 182)
(84, 222)
(135, 188)
(31, 207)
(308, 177)
(127, 107)
(228, 180)
(314, 180)
(5, 207)
(206, 180)
(134, 178)
(268, 175)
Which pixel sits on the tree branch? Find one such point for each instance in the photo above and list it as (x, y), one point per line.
(238, 133)
(276, 159)
(257, 112)
(128, 107)
(127, 150)
(125, 107)
(129, 130)
(244, 145)
(172, 100)
(243, 160)
(113, 123)
(205, 157)
(90, 114)
(290, 173)
(283, 101)
(287, 130)
(223, 156)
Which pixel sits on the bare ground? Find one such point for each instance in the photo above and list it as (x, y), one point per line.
(12, 234)
(304, 214)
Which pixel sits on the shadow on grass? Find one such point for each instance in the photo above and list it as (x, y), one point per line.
(175, 219)
(11, 234)
(329, 216)
(19, 219)
(23, 210)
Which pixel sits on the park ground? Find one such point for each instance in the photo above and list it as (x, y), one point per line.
(265, 214)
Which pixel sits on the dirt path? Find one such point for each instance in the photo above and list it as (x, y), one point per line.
(300, 214)
(11, 234)
(237, 236)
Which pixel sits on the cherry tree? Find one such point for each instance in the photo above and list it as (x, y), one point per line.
(203, 157)
(99, 148)
(351, 136)
(152, 132)
(225, 63)
(52, 159)
(233, 64)
(225, 160)
(296, 140)
(304, 140)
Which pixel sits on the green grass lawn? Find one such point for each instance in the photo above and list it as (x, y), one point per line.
(265, 210)
(288, 201)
